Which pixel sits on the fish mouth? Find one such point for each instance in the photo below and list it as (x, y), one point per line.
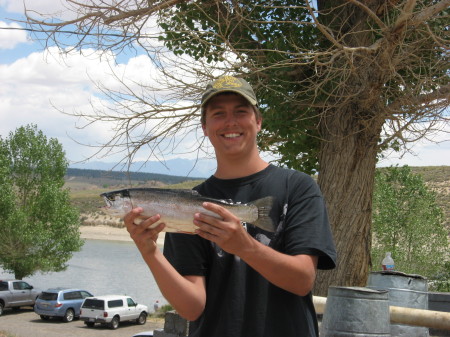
(108, 201)
(110, 197)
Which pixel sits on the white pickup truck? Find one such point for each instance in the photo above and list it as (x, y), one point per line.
(111, 310)
(16, 294)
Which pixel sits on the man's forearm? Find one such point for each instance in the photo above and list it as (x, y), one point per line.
(292, 273)
(186, 294)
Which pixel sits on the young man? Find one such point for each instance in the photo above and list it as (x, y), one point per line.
(236, 280)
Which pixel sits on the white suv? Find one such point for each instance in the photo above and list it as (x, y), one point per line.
(111, 310)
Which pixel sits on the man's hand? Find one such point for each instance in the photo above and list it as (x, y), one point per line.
(140, 231)
(227, 231)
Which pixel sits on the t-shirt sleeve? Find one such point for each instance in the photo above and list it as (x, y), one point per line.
(307, 228)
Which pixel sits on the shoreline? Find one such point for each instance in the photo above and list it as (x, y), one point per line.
(108, 233)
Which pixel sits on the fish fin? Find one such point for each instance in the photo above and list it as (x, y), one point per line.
(264, 221)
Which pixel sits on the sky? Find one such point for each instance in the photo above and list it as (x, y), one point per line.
(38, 85)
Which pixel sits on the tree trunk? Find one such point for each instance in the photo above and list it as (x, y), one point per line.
(347, 168)
(350, 132)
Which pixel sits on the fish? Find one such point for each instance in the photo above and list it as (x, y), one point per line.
(178, 206)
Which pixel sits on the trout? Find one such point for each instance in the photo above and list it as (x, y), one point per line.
(178, 206)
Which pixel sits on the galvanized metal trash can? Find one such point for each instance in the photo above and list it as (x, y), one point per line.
(356, 312)
(439, 301)
(405, 290)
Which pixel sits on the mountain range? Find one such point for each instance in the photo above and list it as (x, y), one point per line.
(192, 168)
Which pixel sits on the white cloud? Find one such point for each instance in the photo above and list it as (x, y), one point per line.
(423, 153)
(431, 150)
(35, 6)
(11, 35)
(33, 87)
(37, 88)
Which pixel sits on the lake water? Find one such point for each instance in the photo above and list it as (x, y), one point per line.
(103, 268)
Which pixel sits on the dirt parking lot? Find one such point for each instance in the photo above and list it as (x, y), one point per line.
(25, 323)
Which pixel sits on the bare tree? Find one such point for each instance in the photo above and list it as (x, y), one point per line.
(338, 85)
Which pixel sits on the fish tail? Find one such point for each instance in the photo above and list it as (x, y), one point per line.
(264, 221)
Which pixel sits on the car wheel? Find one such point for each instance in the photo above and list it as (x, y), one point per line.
(142, 318)
(69, 315)
(45, 318)
(1, 308)
(114, 323)
(89, 324)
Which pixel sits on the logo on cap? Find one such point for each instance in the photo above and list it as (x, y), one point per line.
(227, 82)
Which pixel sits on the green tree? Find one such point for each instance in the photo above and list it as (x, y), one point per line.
(408, 223)
(338, 84)
(39, 227)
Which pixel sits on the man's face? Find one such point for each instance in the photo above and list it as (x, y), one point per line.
(231, 124)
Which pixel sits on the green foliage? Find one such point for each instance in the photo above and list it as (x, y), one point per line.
(161, 312)
(39, 227)
(271, 35)
(441, 280)
(408, 222)
(299, 76)
(214, 24)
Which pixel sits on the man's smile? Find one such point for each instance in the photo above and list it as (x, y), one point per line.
(231, 135)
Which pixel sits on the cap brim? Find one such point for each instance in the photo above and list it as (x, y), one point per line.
(248, 98)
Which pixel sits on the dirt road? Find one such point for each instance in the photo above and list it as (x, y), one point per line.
(25, 323)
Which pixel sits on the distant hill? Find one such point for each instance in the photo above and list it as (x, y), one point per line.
(103, 178)
(438, 179)
(174, 167)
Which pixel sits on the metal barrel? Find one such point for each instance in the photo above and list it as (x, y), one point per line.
(439, 301)
(405, 290)
(356, 312)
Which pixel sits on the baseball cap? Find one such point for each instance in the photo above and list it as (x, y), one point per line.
(229, 84)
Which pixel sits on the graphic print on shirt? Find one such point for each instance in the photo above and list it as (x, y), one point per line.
(280, 228)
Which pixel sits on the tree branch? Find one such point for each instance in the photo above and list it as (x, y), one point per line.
(142, 11)
(429, 12)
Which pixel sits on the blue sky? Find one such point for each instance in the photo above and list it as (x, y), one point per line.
(36, 86)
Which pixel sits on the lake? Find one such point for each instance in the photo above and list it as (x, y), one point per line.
(103, 268)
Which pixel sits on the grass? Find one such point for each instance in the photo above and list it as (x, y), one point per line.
(186, 185)
(434, 174)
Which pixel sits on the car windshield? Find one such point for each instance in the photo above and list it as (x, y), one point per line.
(48, 296)
(91, 303)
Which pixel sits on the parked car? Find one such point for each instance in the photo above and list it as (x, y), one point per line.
(111, 310)
(16, 294)
(64, 303)
(144, 334)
